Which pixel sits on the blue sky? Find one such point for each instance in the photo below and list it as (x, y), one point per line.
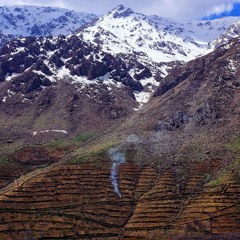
(180, 10)
(235, 11)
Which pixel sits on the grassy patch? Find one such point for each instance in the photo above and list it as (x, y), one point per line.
(62, 143)
(85, 136)
(234, 145)
(235, 164)
(230, 172)
(219, 180)
(44, 165)
(98, 156)
(8, 149)
(6, 161)
(58, 144)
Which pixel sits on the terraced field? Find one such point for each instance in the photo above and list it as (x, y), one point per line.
(27, 160)
(10, 172)
(78, 202)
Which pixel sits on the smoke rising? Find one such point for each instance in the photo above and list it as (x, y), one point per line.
(117, 158)
(143, 150)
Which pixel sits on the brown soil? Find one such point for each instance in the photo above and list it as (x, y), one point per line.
(9, 173)
(27, 160)
(38, 155)
(78, 202)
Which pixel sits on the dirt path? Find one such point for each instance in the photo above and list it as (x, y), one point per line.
(28, 176)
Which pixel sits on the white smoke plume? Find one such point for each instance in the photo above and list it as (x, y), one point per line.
(117, 158)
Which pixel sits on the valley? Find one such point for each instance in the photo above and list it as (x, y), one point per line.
(121, 126)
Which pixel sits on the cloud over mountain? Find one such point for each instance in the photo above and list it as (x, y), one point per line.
(176, 9)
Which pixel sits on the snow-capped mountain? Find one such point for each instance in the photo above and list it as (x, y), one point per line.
(205, 31)
(233, 31)
(119, 31)
(123, 31)
(105, 70)
(147, 45)
(41, 21)
(159, 39)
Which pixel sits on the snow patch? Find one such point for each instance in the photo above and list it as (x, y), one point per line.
(142, 98)
(232, 66)
(9, 77)
(47, 131)
(149, 81)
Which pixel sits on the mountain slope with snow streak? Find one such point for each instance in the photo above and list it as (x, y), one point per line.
(233, 31)
(63, 83)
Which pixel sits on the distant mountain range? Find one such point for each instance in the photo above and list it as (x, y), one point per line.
(41, 21)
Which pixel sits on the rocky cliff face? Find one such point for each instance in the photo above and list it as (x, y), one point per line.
(195, 111)
(49, 59)
(68, 80)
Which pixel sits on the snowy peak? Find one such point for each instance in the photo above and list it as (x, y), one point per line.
(157, 39)
(232, 31)
(120, 11)
(205, 31)
(123, 31)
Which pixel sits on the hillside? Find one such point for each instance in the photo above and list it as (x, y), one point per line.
(94, 77)
(178, 177)
(66, 79)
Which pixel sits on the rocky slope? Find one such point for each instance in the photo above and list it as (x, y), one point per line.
(196, 106)
(204, 87)
(68, 80)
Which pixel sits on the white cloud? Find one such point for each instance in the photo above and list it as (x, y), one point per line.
(189, 9)
(53, 3)
(218, 9)
(176, 9)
